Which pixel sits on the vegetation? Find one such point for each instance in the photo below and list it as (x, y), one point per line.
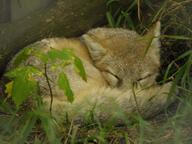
(32, 124)
(24, 85)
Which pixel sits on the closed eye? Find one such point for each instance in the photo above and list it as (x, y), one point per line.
(119, 79)
(145, 77)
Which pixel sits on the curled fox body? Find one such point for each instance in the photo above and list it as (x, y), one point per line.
(114, 60)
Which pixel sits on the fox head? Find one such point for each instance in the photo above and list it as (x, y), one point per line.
(123, 56)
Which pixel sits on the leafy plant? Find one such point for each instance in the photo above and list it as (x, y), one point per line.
(24, 84)
(24, 78)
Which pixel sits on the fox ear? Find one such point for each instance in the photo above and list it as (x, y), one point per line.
(153, 40)
(96, 50)
(153, 34)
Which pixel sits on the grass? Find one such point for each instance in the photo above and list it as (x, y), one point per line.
(173, 125)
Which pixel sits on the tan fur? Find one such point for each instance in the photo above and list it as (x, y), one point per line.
(114, 60)
(122, 53)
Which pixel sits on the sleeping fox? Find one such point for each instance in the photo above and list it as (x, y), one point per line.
(121, 68)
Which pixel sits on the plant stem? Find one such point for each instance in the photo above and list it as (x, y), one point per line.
(49, 86)
(135, 98)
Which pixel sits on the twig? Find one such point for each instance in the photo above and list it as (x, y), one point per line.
(49, 86)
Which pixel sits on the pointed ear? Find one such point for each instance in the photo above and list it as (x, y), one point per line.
(153, 34)
(96, 50)
(153, 40)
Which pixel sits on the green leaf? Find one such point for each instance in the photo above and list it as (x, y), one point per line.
(65, 54)
(8, 88)
(63, 84)
(110, 19)
(22, 89)
(24, 83)
(22, 56)
(80, 68)
(41, 55)
(30, 51)
(23, 69)
(53, 54)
